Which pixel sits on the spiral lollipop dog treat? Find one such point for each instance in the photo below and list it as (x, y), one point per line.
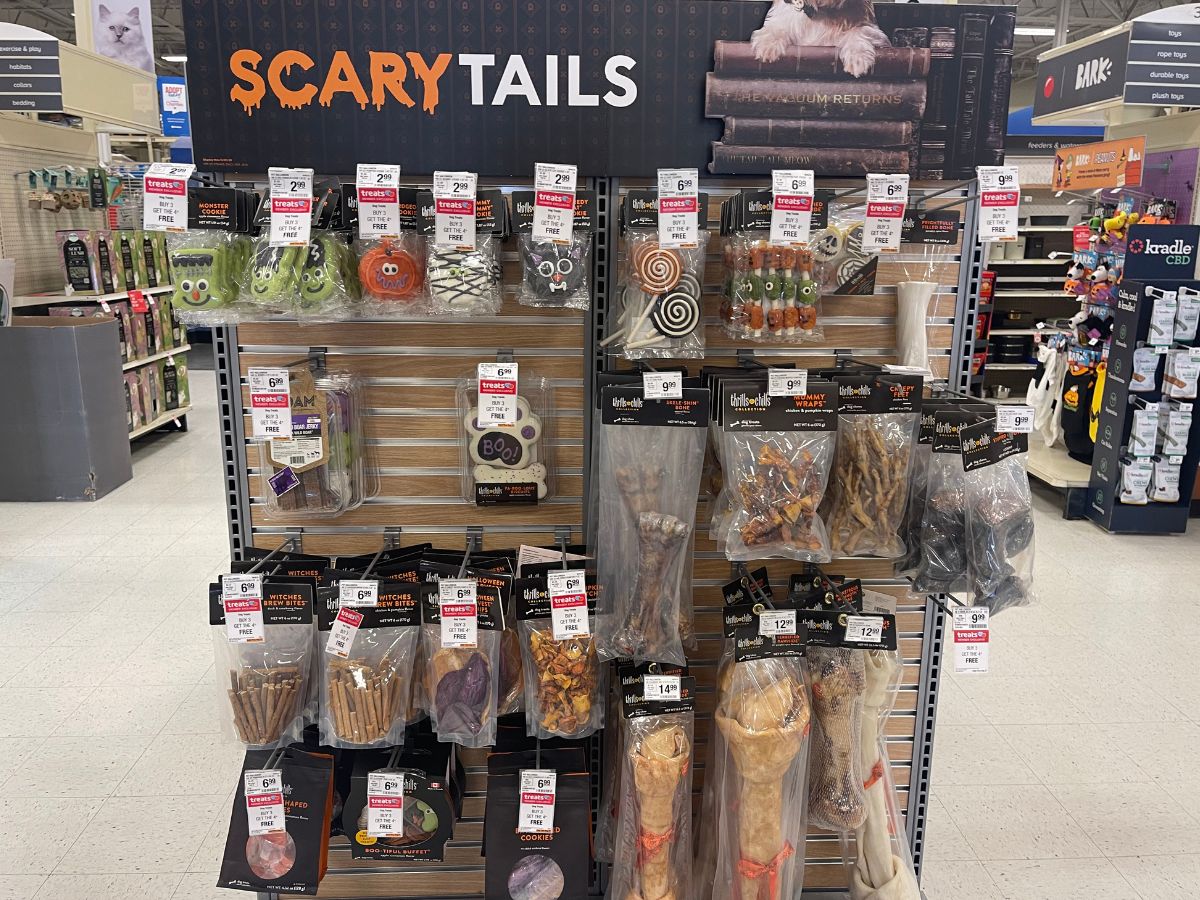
(657, 270)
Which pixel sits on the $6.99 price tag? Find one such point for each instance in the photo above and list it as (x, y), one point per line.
(536, 814)
(791, 205)
(270, 408)
(385, 804)
(971, 639)
(497, 389)
(1014, 419)
(458, 605)
(678, 207)
(568, 604)
(264, 801)
(241, 595)
(887, 196)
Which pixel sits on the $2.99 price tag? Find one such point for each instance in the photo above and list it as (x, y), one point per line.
(241, 595)
(264, 801)
(1014, 419)
(291, 206)
(497, 388)
(772, 622)
(536, 814)
(454, 209)
(999, 199)
(458, 605)
(791, 205)
(887, 196)
(554, 202)
(787, 382)
(378, 191)
(164, 193)
(385, 804)
(971, 639)
(568, 604)
(678, 207)
(661, 687)
(270, 408)
(864, 629)
(662, 385)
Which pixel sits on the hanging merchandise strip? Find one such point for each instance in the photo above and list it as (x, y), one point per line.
(413, 424)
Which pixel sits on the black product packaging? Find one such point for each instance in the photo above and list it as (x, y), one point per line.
(536, 866)
(292, 862)
(429, 803)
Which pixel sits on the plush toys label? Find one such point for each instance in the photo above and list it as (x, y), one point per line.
(791, 206)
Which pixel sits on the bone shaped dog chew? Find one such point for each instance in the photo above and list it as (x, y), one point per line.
(835, 781)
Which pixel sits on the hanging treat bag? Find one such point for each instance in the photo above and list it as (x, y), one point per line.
(1164, 488)
(555, 273)
(652, 856)
(461, 628)
(507, 413)
(1174, 426)
(328, 289)
(778, 451)
(918, 488)
(878, 421)
(347, 393)
(278, 839)
(661, 304)
(206, 265)
(270, 283)
(943, 567)
(464, 279)
(367, 631)
(391, 268)
(999, 516)
(841, 265)
(1182, 373)
(563, 676)
(651, 453)
(263, 638)
(1136, 476)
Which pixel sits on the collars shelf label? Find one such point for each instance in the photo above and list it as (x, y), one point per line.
(887, 197)
(678, 207)
(164, 196)
(378, 190)
(554, 202)
(791, 205)
(454, 209)
(291, 206)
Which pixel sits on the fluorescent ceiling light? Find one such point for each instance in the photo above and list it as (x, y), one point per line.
(179, 58)
(1035, 30)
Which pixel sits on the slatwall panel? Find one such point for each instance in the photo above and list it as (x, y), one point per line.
(27, 235)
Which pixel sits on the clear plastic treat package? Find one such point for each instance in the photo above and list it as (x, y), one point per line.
(206, 267)
(555, 273)
(391, 268)
(465, 280)
(943, 565)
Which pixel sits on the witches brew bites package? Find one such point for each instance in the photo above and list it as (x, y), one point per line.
(291, 859)
(537, 834)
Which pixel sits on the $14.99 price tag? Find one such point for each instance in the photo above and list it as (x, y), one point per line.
(241, 596)
(291, 206)
(343, 632)
(497, 388)
(536, 815)
(787, 382)
(454, 209)
(458, 606)
(553, 202)
(1014, 419)
(864, 629)
(568, 604)
(887, 196)
(661, 687)
(270, 408)
(772, 622)
(164, 196)
(678, 207)
(791, 205)
(999, 200)
(264, 801)
(378, 191)
(385, 804)
(662, 385)
(971, 633)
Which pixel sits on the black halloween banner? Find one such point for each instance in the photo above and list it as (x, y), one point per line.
(620, 87)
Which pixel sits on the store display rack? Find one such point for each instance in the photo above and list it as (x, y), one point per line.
(27, 300)
(410, 370)
(177, 417)
(162, 354)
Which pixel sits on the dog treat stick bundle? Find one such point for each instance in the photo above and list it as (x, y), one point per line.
(652, 853)
(777, 454)
(878, 420)
(264, 701)
(651, 453)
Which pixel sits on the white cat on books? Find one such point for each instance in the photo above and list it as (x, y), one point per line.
(848, 25)
(124, 34)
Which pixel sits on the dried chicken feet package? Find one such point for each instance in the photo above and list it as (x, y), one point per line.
(778, 452)
(650, 455)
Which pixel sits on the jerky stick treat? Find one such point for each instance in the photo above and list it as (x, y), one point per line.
(264, 701)
(365, 700)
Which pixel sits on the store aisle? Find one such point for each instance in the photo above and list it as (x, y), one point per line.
(1064, 773)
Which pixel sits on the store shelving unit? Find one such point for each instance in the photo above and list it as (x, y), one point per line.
(30, 300)
(163, 354)
(178, 417)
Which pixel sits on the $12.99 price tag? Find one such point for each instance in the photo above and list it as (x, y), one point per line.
(291, 206)
(887, 196)
(678, 207)
(264, 801)
(791, 205)
(971, 639)
(385, 804)
(554, 202)
(999, 200)
(536, 815)
(241, 596)
(454, 209)
(458, 607)
(568, 604)
(1014, 419)
(864, 629)
(773, 622)
(164, 196)
(378, 191)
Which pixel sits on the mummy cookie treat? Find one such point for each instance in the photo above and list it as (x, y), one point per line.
(466, 282)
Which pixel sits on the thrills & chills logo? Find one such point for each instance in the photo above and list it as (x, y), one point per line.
(295, 80)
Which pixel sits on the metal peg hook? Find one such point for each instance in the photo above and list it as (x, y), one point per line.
(285, 547)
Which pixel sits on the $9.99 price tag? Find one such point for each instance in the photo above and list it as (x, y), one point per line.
(661, 687)
(568, 604)
(678, 207)
(291, 206)
(536, 815)
(791, 205)
(454, 209)
(1014, 419)
(971, 633)
(787, 382)
(458, 605)
(662, 385)
(385, 804)
(241, 595)
(497, 387)
(553, 202)
(999, 199)
(270, 408)
(264, 801)
(887, 196)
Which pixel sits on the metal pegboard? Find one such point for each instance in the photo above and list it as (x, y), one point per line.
(233, 438)
(922, 763)
(970, 274)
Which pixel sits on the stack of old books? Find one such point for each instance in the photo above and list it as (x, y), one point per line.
(804, 111)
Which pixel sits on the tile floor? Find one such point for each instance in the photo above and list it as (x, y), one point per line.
(1067, 773)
